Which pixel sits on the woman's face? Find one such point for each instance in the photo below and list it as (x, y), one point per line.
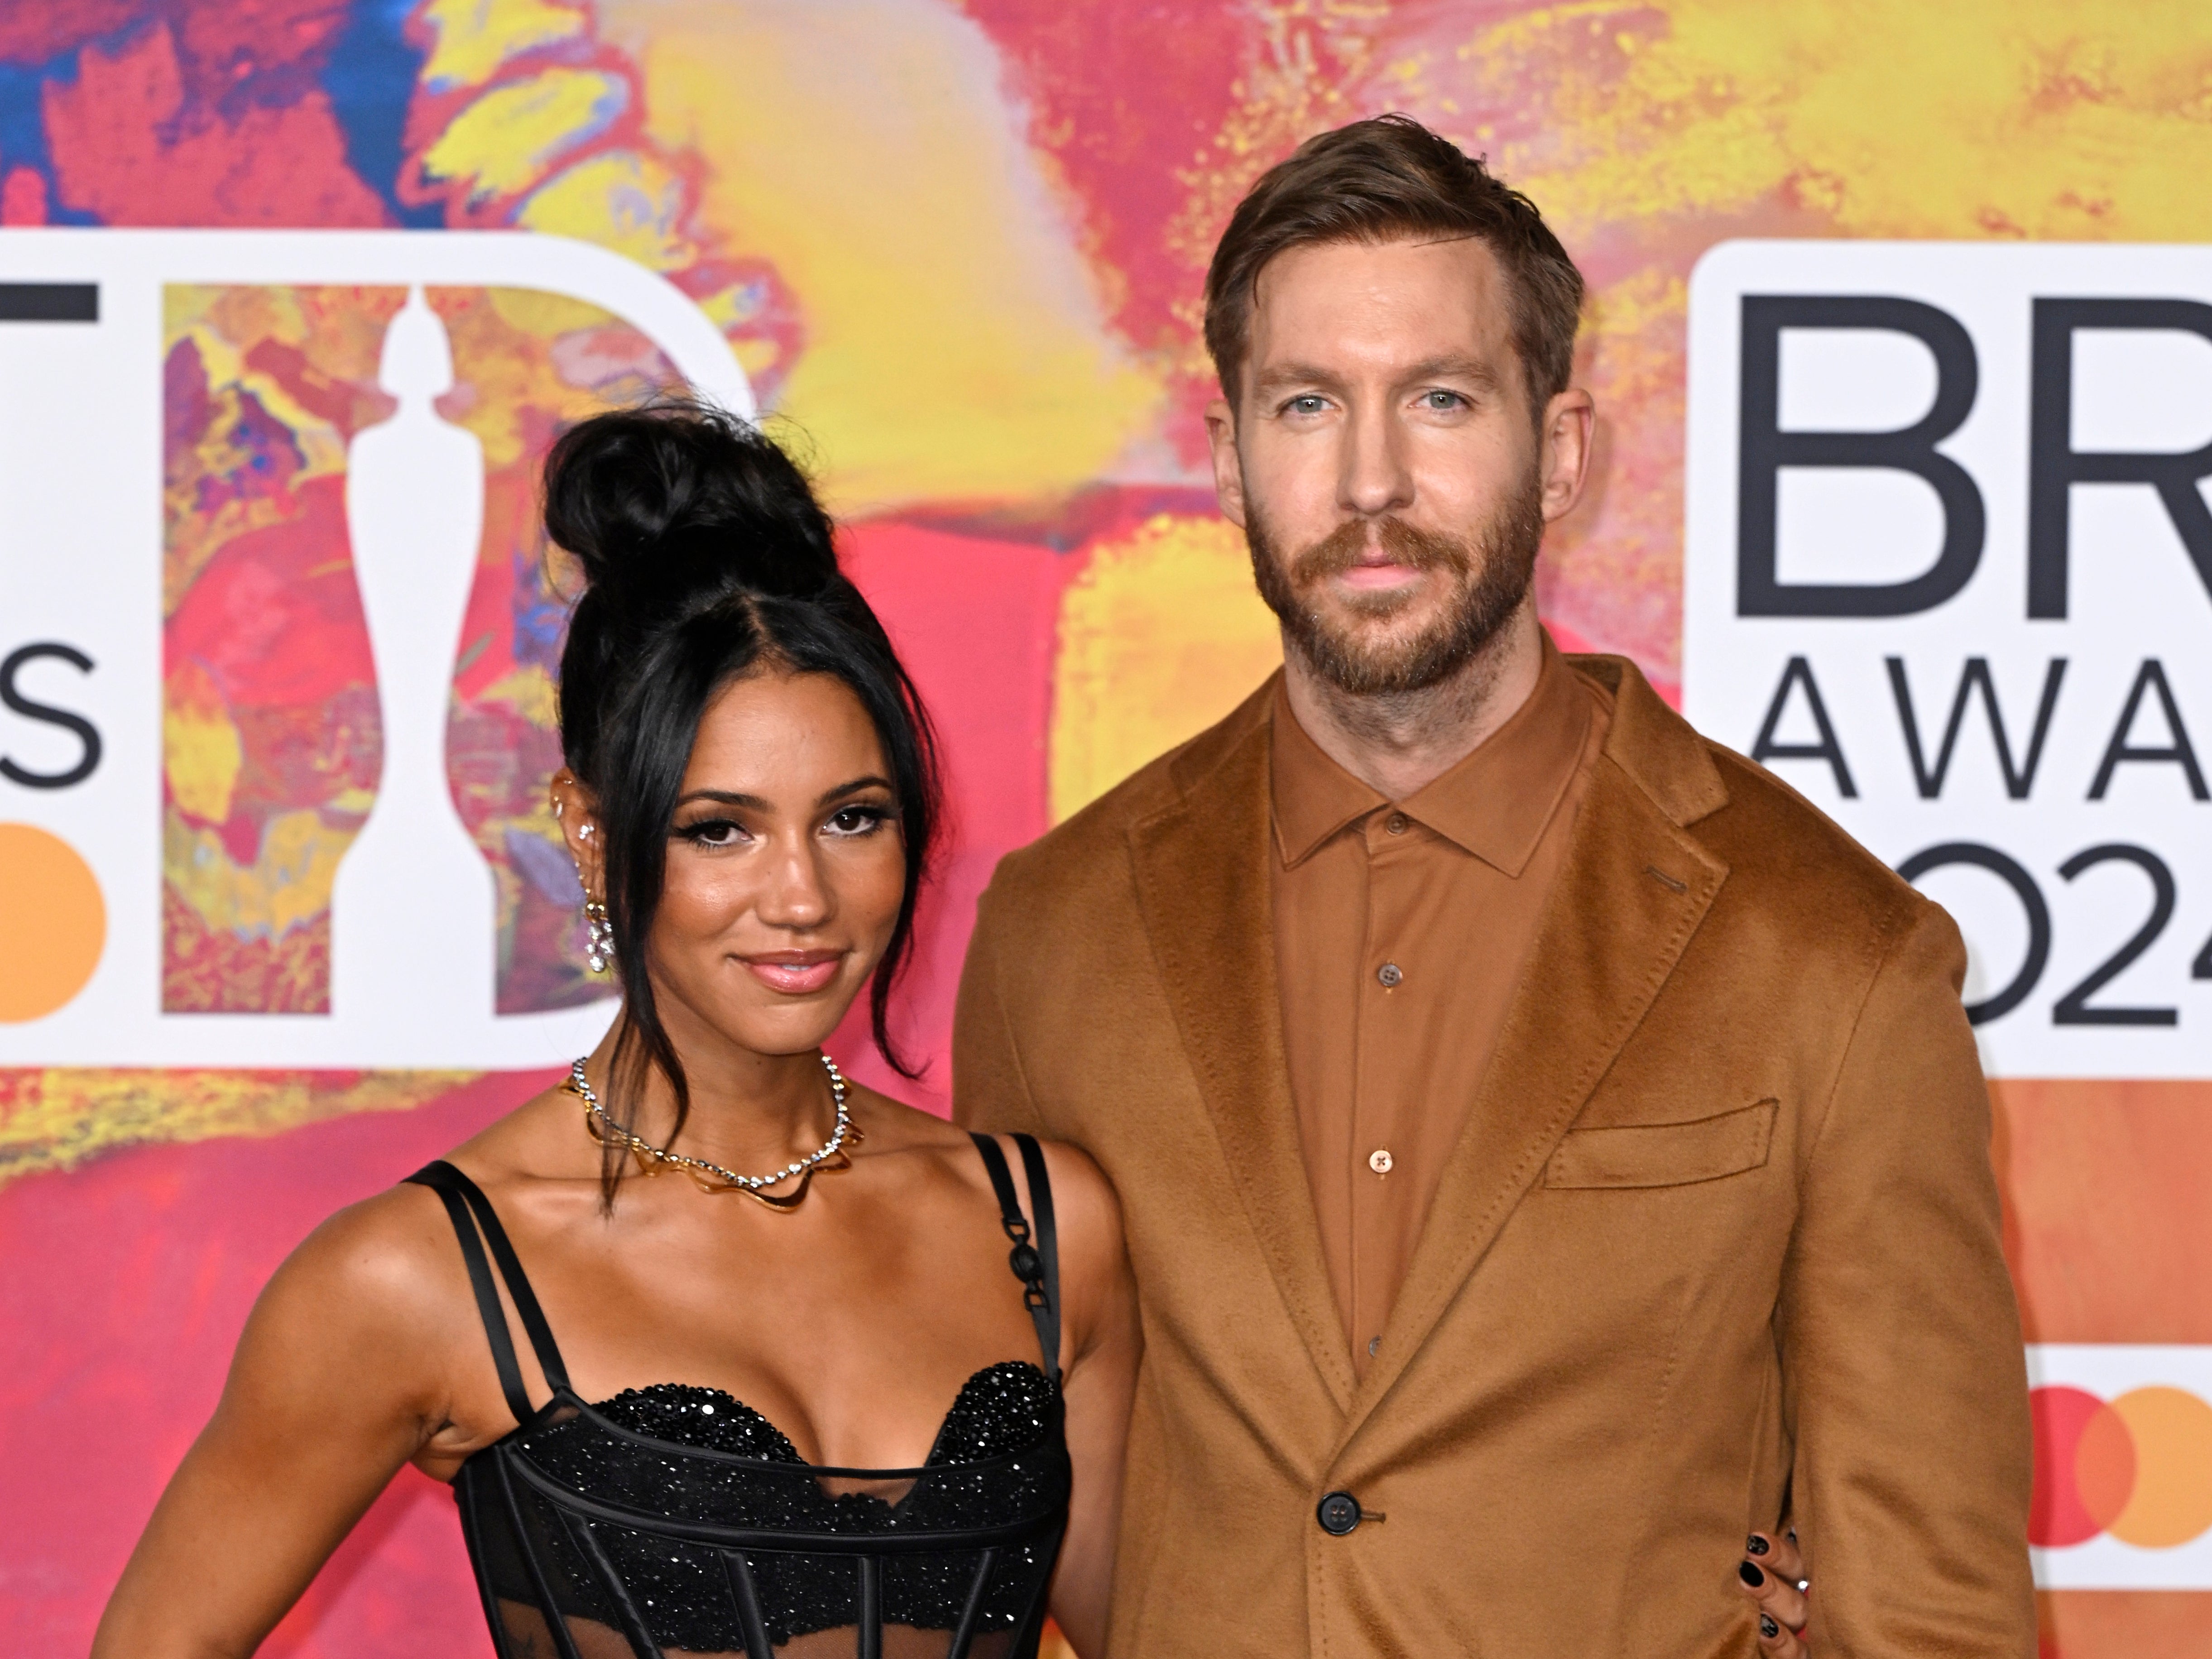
(786, 867)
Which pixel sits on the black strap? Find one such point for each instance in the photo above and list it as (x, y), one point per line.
(1037, 1266)
(463, 1198)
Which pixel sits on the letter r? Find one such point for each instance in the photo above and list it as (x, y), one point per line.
(2055, 466)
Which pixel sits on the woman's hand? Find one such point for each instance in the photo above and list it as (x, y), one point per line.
(1770, 1575)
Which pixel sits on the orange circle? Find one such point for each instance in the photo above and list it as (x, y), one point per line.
(2171, 1503)
(53, 923)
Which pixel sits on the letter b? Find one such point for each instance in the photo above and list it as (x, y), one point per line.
(1764, 449)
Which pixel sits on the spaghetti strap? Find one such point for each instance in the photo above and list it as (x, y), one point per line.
(1037, 1266)
(463, 1199)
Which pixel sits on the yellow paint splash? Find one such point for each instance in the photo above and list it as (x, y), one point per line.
(287, 884)
(2038, 119)
(631, 203)
(201, 748)
(475, 38)
(56, 1120)
(955, 345)
(1160, 636)
(500, 142)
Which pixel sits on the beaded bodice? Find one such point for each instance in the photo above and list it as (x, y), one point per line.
(677, 1520)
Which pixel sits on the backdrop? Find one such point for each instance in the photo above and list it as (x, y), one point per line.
(1901, 429)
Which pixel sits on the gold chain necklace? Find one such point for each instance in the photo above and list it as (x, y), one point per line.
(713, 1177)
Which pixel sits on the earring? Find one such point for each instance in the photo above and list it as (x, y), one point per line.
(601, 949)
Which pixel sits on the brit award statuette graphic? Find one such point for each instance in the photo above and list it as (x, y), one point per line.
(279, 691)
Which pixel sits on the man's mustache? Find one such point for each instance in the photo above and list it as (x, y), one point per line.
(1346, 546)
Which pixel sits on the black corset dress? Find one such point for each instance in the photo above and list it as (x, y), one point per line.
(675, 1521)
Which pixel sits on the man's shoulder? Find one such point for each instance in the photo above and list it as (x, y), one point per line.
(1783, 852)
(1784, 848)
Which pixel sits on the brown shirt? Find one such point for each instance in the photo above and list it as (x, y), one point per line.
(1400, 929)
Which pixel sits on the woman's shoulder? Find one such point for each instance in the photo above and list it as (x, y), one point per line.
(394, 1259)
(390, 1258)
(891, 1124)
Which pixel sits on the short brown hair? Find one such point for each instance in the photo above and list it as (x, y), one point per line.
(1379, 180)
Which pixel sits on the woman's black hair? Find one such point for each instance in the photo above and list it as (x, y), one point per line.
(706, 558)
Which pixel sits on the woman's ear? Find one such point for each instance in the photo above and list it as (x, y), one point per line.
(576, 810)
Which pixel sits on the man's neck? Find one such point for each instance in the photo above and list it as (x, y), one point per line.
(1397, 743)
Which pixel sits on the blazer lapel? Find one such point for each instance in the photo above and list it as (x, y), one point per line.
(1633, 889)
(1202, 881)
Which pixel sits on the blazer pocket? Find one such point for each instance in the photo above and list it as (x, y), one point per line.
(1665, 1154)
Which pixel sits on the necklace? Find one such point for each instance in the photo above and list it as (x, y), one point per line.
(713, 1177)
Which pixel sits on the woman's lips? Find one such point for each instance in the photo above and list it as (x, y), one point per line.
(795, 973)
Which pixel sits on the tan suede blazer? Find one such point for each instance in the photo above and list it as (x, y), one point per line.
(1721, 1238)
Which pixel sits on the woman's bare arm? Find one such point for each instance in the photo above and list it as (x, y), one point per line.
(1100, 1342)
(338, 1380)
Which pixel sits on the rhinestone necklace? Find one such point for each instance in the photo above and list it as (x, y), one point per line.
(713, 1177)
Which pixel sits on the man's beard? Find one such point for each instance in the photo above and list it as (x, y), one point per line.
(1491, 574)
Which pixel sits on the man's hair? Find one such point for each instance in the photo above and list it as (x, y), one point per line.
(1384, 180)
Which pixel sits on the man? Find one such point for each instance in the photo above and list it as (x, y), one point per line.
(1550, 1148)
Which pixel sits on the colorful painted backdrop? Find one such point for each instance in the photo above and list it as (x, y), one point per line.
(957, 245)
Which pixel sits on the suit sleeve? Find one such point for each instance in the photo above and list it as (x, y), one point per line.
(1901, 1340)
(989, 1091)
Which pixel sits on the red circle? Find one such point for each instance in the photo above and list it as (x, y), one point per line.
(2057, 1515)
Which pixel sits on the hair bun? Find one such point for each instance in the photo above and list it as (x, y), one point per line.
(678, 503)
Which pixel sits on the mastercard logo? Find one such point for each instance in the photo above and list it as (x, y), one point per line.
(53, 922)
(2138, 1468)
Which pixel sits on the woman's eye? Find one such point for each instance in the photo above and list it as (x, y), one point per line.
(857, 820)
(713, 832)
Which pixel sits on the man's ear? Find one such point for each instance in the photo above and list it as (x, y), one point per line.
(1568, 420)
(1228, 470)
(577, 811)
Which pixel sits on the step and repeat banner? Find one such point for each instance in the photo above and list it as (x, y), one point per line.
(1901, 331)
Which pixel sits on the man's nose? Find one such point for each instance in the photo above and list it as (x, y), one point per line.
(1376, 478)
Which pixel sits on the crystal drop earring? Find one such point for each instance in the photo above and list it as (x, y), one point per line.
(601, 949)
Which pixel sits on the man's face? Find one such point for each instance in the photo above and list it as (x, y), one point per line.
(1383, 461)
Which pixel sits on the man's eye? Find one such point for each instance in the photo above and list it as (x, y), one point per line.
(1443, 400)
(1306, 405)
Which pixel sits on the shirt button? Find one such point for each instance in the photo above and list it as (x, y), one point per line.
(1390, 975)
(1338, 1513)
(1395, 823)
(1379, 1160)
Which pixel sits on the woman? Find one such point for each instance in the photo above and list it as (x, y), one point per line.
(832, 1421)
(771, 1464)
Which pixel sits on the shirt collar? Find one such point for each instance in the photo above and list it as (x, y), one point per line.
(1496, 802)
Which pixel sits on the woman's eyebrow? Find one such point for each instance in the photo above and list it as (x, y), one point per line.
(871, 782)
(725, 798)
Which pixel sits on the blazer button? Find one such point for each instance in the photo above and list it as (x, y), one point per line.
(1339, 1513)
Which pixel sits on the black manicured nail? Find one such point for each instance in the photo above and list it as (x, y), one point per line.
(1751, 1575)
(1756, 1545)
(1768, 1628)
